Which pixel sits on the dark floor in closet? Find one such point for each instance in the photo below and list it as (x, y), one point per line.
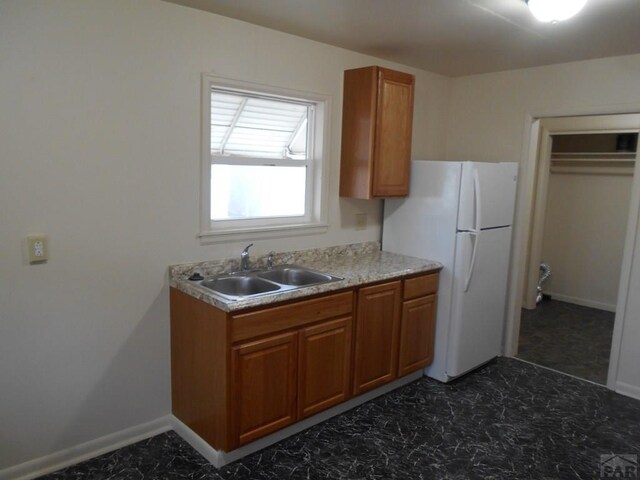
(508, 420)
(568, 338)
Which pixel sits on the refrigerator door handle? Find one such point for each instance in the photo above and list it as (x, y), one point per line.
(476, 191)
(474, 234)
(474, 238)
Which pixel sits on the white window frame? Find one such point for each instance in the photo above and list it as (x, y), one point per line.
(315, 218)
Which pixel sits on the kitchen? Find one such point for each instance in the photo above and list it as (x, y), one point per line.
(101, 134)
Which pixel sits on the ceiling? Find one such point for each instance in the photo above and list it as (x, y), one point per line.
(449, 37)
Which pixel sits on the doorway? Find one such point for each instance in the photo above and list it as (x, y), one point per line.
(568, 325)
(534, 188)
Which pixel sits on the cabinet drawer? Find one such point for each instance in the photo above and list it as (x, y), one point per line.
(420, 286)
(292, 315)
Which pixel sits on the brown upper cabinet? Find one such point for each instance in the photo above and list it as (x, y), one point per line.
(377, 118)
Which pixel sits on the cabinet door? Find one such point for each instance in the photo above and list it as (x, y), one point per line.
(394, 122)
(264, 375)
(416, 334)
(358, 132)
(376, 356)
(324, 366)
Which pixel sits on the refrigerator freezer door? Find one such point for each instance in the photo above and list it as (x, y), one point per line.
(477, 314)
(424, 224)
(487, 195)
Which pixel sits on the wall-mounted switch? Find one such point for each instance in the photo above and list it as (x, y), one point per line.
(38, 248)
(361, 221)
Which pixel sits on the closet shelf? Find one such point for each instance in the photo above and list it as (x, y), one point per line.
(581, 164)
(591, 170)
(594, 156)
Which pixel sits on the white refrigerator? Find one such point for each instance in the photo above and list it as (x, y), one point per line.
(460, 214)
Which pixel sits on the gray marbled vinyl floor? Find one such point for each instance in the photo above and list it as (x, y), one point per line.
(569, 338)
(509, 420)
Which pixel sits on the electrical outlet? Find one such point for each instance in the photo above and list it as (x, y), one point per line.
(38, 248)
(361, 221)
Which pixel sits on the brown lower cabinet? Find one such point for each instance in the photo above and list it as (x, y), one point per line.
(416, 334)
(377, 320)
(264, 385)
(284, 378)
(324, 366)
(394, 337)
(239, 376)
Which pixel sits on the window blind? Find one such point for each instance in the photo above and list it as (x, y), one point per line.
(254, 126)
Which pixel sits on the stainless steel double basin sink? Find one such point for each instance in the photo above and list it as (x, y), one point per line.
(238, 285)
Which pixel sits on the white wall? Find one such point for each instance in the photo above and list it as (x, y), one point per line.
(490, 120)
(100, 140)
(489, 115)
(584, 232)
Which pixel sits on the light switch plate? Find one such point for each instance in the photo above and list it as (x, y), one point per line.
(38, 248)
(361, 221)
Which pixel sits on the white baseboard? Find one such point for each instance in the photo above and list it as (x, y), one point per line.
(219, 458)
(585, 302)
(93, 448)
(212, 455)
(628, 390)
(85, 451)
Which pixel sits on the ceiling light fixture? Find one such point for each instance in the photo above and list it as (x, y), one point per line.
(555, 10)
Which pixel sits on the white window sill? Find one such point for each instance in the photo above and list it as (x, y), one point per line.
(278, 231)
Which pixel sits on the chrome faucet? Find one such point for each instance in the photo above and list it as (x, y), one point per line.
(244, 258)
(270, 260)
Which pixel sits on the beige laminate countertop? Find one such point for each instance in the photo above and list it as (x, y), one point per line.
(358, 264)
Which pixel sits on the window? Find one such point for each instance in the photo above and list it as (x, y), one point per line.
(263, 159)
